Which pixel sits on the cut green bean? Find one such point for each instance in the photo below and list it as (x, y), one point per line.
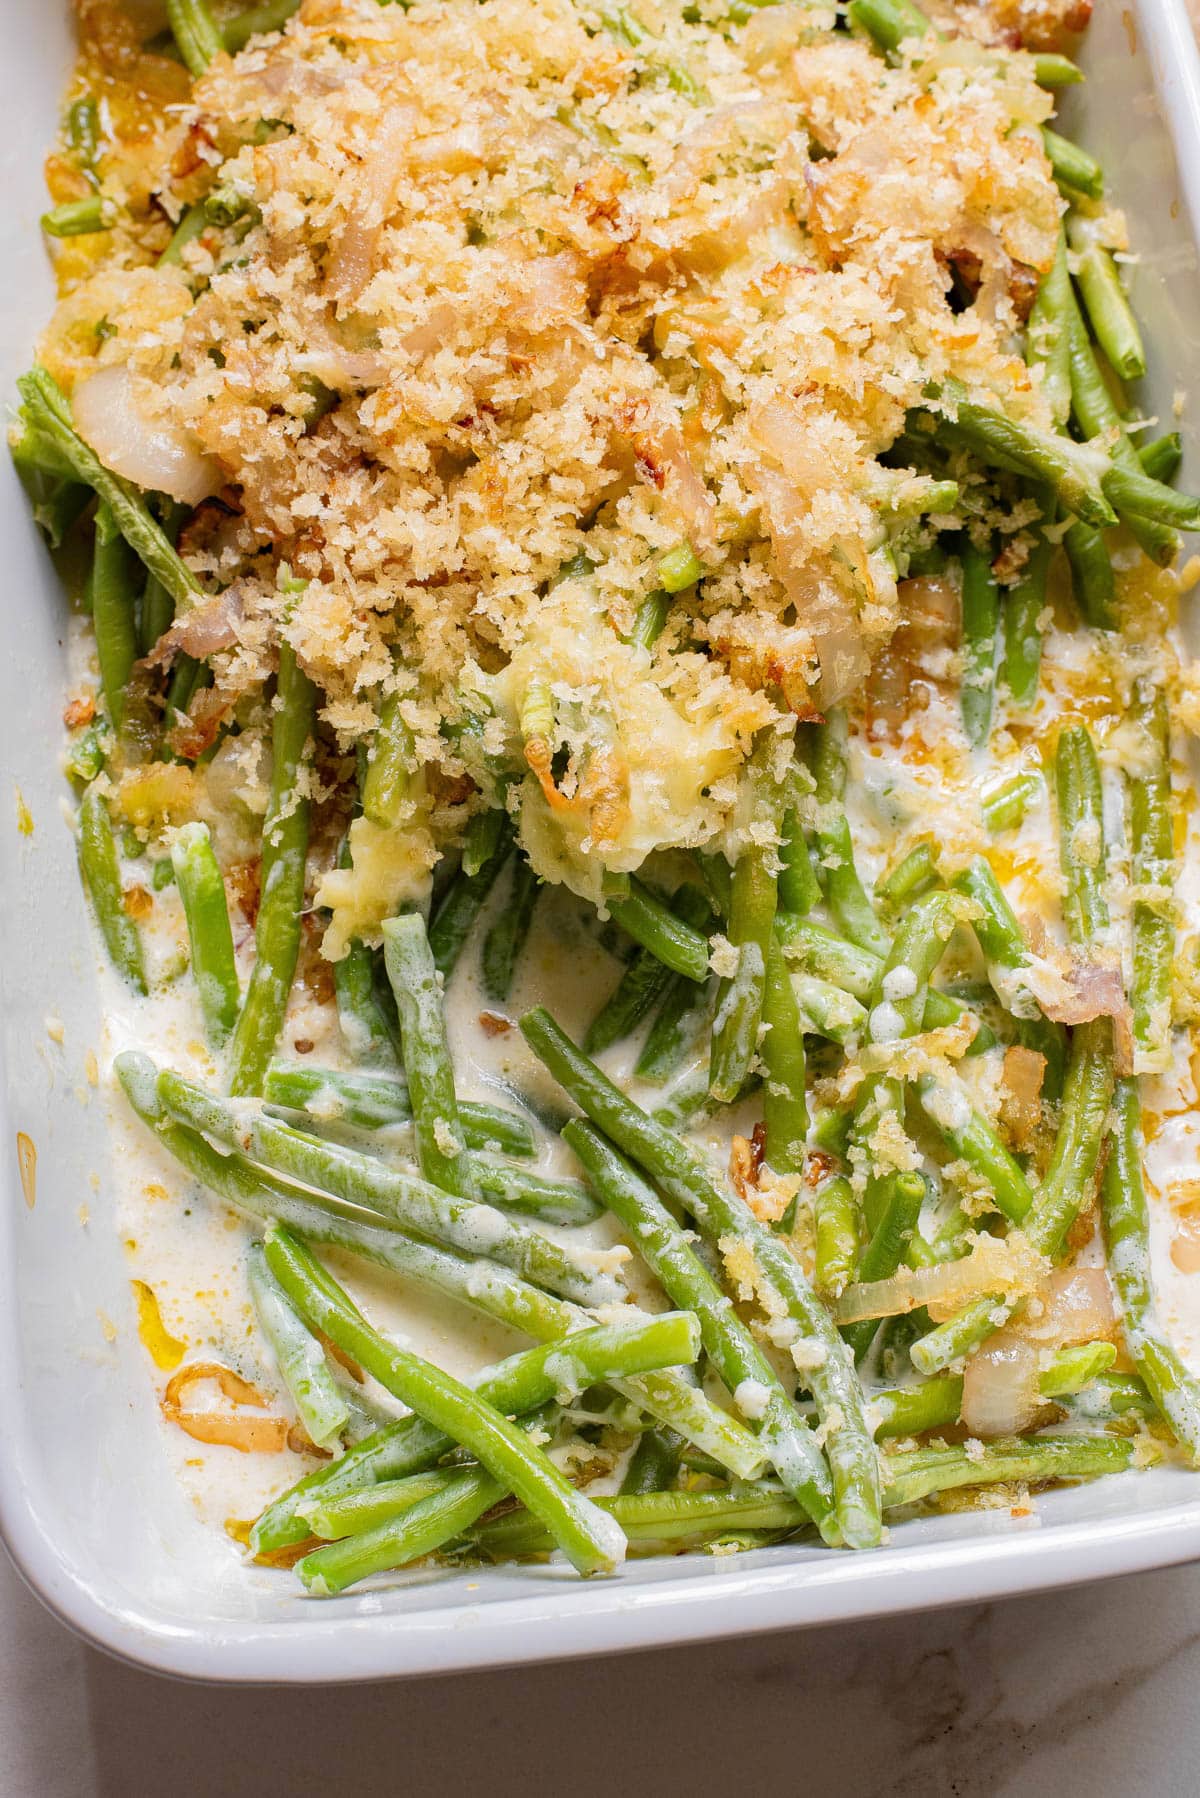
(1152, 841)
(1081, 834)
(980, 622)
(80, 218)
(785, 1110)
(373, 1102)
(641, 987)
(975, 1142)
(1109, 312)
(114, 617)
(1072, 165)
(284, 851)
(847, 896)
(508, 935)
(836, 1227)
(258, 21)
(655, 927)
(456, 915)
(899, 1211)
(1024, 608)
(301, 1359)
(1048, 347)
(1126, 1220)
(102, 877)
(1004, 806)
(653, 1465)
(214, 967)
(441, 1147)
(390, 766)
(196, 33)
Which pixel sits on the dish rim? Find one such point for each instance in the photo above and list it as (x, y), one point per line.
(743, 1597)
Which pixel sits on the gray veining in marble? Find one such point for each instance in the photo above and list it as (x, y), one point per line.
(1082, 1694)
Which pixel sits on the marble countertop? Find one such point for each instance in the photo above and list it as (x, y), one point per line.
(1084, 1692)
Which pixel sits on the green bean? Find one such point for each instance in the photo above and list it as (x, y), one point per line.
(911, 1410)
(361, 1509)
(484, 834)
(1057, 1202)
(799, 888)
(1126, 1221)
(300, 1357)
(935, 1404)
(1081, 834)
(1054, 71)
(975, 1142)
(82, 132)
(1073, 1369)
(846, 893)
(195, 32)
(565, 1202)
(889, 22)
(826, 1010)
(390, 766)
(940, 1466)
(753, 900)
(1072, 166)
(650, 619)
(456, 915)
(655, 927)
(980, 616)
(1140, 500)
(80, 218)
(1097, 416)
(1005, 806)
(475, 1229)
(113, 615)
(899, 1211)
(441, 1149)
(785, 1113)
(835, 1218)
(591, 1543)
(158, 608)
(284, 850)
(459, 1501)
(102, 877)
(653, 1465)
(1047, 348)
(686, 1010)
(1092, 577)
(373, 1102)
(417, 1206)
(47, 410)
(1073, 472)
(728, 1343)
(641, 987)
(911, 877)
(214, 967)
(999, 934)
(782, 1284)
(361, 1019)
(1152, 842)
(1161, 459)
(679, 568)
(507, 937)
(1024, 606)
(192, 224)
(1109, 312)
(482, 1285)
(257, 21)
(831, 960)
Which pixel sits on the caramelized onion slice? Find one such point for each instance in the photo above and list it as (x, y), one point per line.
(111, 415)
(230, 1428)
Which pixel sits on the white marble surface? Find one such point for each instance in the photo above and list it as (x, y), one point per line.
(1091, 1692)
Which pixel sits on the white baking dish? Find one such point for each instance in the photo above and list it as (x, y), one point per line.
(88, 1505)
